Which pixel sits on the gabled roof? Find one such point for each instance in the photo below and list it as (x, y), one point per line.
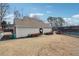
(31, 22)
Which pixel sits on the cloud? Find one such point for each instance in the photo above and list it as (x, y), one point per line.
(73, 20)
(76, 16)
(35, 14)
(46, 22)
(68, 21)
(9, 18)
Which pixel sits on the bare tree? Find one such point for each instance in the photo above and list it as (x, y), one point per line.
(56, 21)
(52, 21)
(60, 21)
(17, 15)
(4, 8)
(49, 19)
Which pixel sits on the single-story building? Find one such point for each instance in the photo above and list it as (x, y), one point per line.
(27, 26)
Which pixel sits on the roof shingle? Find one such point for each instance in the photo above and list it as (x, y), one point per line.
(31, 22)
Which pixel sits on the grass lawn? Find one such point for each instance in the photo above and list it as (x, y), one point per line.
(45, 45)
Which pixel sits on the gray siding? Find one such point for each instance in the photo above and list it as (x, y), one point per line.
(22, 32)
(47, 30)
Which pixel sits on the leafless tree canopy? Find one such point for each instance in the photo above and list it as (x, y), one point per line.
(56, 21)
(4, 7)
(17, 14)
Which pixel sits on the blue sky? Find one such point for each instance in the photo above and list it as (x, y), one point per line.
(69, 12)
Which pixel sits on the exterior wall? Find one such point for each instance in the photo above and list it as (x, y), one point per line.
(22, 32)
(45, 30)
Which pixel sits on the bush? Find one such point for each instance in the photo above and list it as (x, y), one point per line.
(59, 32)
(48, 33)
(34, 35)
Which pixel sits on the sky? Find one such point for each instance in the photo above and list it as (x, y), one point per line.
(68, 11)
